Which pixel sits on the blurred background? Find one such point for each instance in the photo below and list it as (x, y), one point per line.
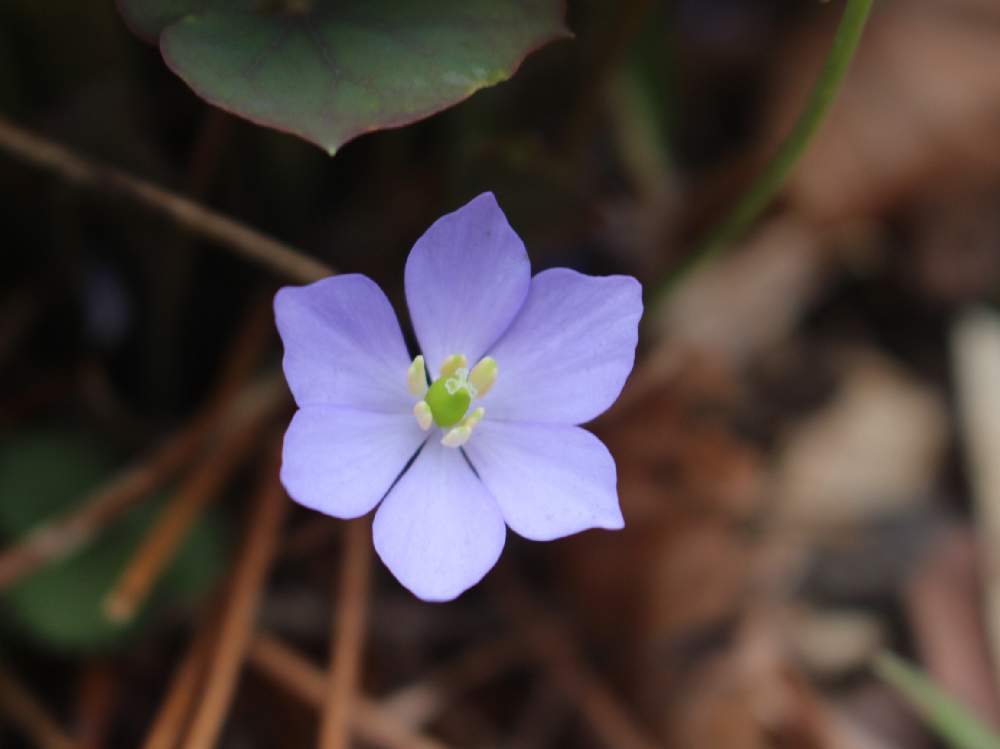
(807, 450)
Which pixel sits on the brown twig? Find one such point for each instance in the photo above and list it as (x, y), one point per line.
(97, 696)
(214, 226)
(238, 617)
(421, 702)
(374, 724)
(349, 636)
(27, 713)
(553, 648)
(175, 709)
(203, 485)
(60, 537)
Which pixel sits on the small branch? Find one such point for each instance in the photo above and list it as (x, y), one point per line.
(420, 703)
(238, 617)
(349, 633)
(98, 693)
(27, 713)
(766, 186)
(58, 538)
(175, 709)
(553, 648)
(203, 485)
(374, 724)
(224, 231)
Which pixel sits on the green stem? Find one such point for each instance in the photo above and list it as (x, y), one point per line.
(767, 185)
(948, 717)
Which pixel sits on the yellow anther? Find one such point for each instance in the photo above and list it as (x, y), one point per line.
(474, 418)
(483, 375)
(423, 414)
(416, 377)
(453, 362)
(456, 437)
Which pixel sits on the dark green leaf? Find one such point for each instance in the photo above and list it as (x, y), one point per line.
(148, 18)
(343, 69)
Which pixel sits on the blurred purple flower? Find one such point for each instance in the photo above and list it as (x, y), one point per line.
(498, 442)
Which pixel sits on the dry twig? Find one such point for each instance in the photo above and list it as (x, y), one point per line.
(238, 617)
(349, 633)
(98, 695)
(185, 687)
(373, 723)
(28, 714)
(203, 485)
(225, 231)
(60, 537)
(421, 702)
(553, 648)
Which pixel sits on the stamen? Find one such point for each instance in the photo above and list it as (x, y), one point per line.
(454, 363)
(456, 437)
(449, 397)
(424, 416)
(474, 418)
(416, 377)
(483, 375)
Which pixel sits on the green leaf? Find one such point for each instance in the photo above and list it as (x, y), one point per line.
(45, 473)
(946, 715)
(148, 18)
(344, 69)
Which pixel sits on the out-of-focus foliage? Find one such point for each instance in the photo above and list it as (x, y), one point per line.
(330, 71)
(46, 472)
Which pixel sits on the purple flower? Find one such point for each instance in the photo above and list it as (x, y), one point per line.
(515, 363)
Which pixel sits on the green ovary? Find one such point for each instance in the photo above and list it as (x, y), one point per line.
(447, 408)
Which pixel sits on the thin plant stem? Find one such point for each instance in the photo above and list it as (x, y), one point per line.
(766, 186)
(949, 717)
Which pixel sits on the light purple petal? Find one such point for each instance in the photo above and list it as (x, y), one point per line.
(550, 480)
(439, 530)
(568, 353)
(342, 461)
(466, 279)
(343, 345)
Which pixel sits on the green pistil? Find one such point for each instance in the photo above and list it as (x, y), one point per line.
(449, 398)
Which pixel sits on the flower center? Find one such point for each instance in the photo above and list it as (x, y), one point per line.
(449, 397)
(446, 402)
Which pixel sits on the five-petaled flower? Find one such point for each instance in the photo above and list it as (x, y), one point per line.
(515, 364)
